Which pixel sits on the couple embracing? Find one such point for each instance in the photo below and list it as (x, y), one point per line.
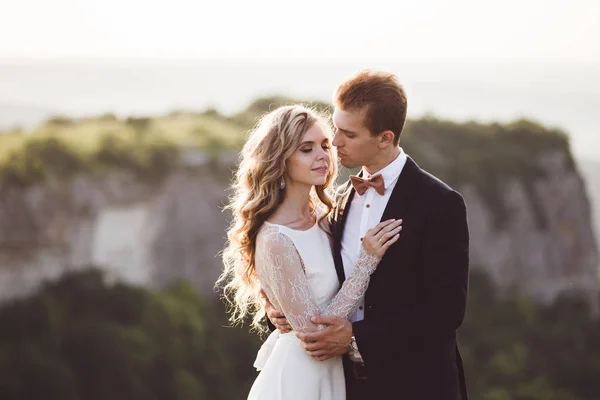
(364, 287)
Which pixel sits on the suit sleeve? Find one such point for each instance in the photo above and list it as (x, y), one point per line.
(445, 269)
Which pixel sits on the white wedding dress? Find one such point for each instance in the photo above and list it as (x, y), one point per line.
(297, 272)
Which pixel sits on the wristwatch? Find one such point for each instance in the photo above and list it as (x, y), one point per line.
(353, 345)
(354, 354)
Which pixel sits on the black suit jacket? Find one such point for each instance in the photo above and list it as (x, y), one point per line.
(417, 297)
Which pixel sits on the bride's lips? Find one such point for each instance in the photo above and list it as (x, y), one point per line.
(321, 170)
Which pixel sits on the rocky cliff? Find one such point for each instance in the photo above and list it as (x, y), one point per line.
(142, 234)
(528, 210)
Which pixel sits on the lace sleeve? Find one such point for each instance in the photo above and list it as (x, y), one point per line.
(281, 274)
(353, 288)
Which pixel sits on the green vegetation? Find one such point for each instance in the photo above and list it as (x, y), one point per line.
(79, 338)
(46, 158)
(514, 349)
(145, 147)
(485, 156)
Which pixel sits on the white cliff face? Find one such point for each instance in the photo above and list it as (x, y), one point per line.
(137, 234)
(154, 234)
(120, 242)
(590, 171)
(542, 260)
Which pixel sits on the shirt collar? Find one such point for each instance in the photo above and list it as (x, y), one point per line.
(391, 171)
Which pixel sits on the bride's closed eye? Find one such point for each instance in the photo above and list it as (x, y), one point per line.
(324, 147)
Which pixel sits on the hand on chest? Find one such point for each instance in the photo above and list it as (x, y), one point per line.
(363, 214)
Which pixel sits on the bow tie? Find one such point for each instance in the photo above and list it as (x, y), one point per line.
(361, 185)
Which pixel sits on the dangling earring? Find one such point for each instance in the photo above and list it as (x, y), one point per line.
(282, 184)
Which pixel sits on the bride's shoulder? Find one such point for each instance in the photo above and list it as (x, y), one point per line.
(267, 231)
(269, 235)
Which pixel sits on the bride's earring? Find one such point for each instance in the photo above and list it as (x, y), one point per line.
(282, 184)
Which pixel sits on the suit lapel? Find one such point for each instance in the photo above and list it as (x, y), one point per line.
(398, 205)
(341, 213)
(403, 192)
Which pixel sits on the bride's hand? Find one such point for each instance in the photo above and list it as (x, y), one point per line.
(379, 238)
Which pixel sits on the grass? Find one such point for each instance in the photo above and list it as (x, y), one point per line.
(147, 147)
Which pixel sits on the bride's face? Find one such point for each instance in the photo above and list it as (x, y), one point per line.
(311, 162)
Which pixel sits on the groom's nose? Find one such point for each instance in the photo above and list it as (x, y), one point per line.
(336, 140)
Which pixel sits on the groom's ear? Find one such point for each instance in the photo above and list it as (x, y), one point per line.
(386, 138)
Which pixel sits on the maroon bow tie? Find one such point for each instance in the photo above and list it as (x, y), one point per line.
(361, 185)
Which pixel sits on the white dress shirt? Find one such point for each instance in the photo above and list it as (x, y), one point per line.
(365, 212)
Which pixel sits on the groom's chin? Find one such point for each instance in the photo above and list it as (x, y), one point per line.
(347, 164)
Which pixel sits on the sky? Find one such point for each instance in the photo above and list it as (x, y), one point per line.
(459, 59)
(547, 30)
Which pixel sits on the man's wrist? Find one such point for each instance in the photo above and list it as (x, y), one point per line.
(352, 345)
(353, 351)
(349, 330)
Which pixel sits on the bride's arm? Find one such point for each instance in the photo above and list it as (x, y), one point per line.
(353, 288)
(377, 240)
(282, 277)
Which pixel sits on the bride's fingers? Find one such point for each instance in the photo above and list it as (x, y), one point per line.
(390, 242)
(379, 227)
(389, 234)
(373, 243)
(388, 228)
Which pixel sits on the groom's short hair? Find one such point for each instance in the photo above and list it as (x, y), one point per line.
(380, 94)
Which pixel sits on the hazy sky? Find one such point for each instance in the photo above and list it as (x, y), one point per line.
(459, 59)
(556, 30)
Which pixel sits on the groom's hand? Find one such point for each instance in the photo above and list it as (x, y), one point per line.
(331, 341)
(275, 316)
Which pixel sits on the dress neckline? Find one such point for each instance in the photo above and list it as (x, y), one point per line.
(295, 230)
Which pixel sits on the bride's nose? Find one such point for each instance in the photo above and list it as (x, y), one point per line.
(321, 155)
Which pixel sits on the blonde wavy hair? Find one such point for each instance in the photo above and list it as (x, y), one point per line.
(257, 194)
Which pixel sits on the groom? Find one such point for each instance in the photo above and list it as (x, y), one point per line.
(401, 341)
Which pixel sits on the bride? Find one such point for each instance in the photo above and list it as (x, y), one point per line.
(279, 241)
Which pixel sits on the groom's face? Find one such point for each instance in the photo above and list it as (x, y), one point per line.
(355, 144)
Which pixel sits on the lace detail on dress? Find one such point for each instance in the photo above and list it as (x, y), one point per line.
(282, 275)
(353, 288)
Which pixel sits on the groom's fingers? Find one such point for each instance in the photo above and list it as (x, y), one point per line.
(324, 357)
(324, 319)
(316, 346)
(277, 317)
(309, 337)
(283, 328)
(318, 353)
(275, 314)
